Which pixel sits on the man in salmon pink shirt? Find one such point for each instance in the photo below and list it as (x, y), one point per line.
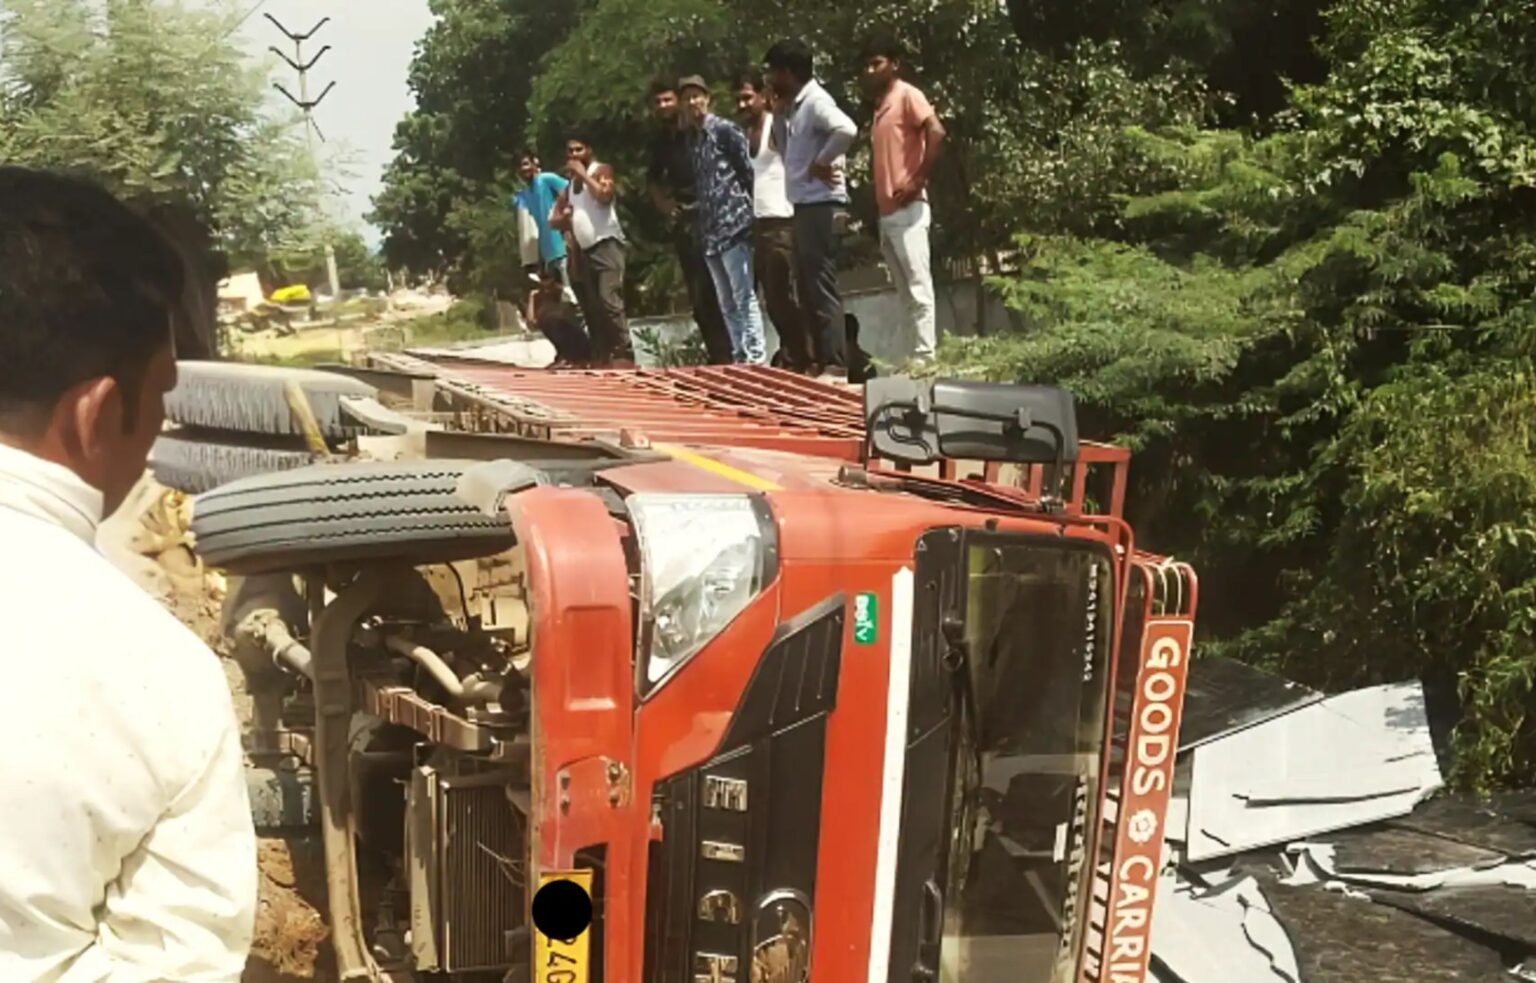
(905, 143)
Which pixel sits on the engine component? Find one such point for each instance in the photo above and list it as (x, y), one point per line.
(474, 688)
(464, 847)
(266, 628)
(338, 820)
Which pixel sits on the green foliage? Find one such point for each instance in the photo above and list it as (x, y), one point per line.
(1036, 141)
(1430, 566)
(152, 99)
(491, 264)
(671, 353)
(599, 77)
(466, 320)
(1281, 248)
(357, 266)
(1319, 341)
(472, 77)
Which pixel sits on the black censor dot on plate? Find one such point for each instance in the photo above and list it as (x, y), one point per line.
(562, 910)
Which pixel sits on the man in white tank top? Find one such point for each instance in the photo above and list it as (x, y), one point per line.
(586, 210)
(774, 231)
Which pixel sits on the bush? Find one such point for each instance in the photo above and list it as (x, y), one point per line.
(672, 353)
(1331, 405)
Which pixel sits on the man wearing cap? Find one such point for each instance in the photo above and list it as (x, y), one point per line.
(722, 167)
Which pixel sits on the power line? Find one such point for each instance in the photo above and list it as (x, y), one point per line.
(307, 106)
(245, 17)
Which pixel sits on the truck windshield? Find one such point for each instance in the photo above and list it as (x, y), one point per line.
(1027, 759)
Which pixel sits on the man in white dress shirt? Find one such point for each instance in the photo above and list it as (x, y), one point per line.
(814, 135)
(774, 231)
(127, 853)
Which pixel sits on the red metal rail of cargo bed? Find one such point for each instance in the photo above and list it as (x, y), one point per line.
(723, 406)
(726, 405)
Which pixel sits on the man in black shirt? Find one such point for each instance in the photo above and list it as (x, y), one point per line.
(673, 193)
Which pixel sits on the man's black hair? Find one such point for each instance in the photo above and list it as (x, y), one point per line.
(752, 77)
(663, 83)
(883, 45)
(87, 289)
(527, 153)
(794, 56)
(579, 135)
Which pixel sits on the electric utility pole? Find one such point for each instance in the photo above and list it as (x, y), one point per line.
(307, 107)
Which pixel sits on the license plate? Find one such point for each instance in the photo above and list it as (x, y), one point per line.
(558, 960)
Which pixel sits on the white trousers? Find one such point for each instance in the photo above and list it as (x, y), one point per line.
(904, 243)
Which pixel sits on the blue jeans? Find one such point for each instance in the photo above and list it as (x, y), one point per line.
(561, 267)
(737, 289)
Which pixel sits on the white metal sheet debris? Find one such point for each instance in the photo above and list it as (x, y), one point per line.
(1271, 784)
(1319, 858)
(1176, 825)
(1219, 935)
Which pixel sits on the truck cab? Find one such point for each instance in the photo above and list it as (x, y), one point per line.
(899, 711)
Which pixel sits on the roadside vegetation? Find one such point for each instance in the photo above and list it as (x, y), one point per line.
(1284, 249)
(153, 99)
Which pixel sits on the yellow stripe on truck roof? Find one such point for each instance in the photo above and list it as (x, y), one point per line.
(714, 467)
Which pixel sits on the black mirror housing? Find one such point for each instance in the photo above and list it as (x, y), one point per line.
(919, 422)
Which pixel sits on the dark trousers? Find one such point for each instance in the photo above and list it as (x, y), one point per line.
(600, 291)
(571, 343)
(816, 247)
(701, 291)
(774, 261)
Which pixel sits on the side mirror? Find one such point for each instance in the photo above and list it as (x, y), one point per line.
(921, 422)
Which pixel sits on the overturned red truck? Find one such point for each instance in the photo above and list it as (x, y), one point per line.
(794, 683)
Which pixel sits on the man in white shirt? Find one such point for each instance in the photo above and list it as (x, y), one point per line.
(815, 136)
(774, 231)
(127, 853)
(588, 210)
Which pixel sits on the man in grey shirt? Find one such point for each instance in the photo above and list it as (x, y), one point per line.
(815, 135)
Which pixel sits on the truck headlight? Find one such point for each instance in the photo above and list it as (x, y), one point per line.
(703, 558)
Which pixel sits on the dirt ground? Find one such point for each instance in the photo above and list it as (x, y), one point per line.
(316, 342)
(291, 944)
(292, 939)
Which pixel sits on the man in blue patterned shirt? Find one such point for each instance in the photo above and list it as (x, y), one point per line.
(722, 167)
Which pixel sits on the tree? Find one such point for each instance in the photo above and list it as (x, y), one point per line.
(1017, 116)
(1281, 249)
(154, 101)
(357, 266)
(1319, 343)
(472, 77)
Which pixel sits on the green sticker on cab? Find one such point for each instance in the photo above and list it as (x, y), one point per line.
(866, 619)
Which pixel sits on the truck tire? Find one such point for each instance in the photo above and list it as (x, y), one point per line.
(345, 513)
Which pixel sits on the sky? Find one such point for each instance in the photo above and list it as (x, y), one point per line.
(371, 45)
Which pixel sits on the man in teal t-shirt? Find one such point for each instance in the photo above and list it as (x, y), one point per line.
(540, 191)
